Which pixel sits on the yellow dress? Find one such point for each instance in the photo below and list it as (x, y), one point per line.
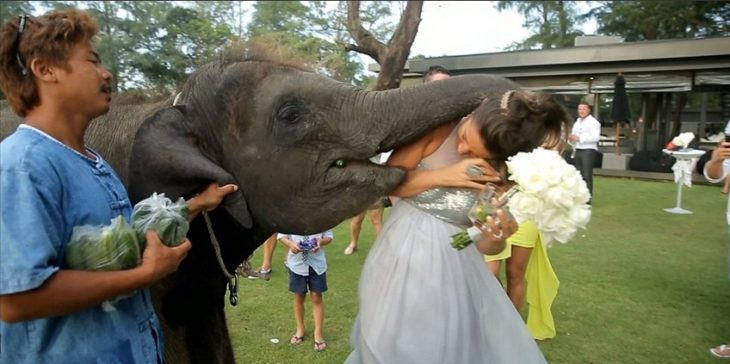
(542, 283)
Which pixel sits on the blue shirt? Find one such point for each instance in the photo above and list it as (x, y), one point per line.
(299, 263)
(47, 188)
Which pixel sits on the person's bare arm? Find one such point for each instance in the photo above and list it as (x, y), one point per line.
(713, 168)
(455, 175)
(293, 247)
(417, 181)
(322, 242)
(68, 291)
(209, 199)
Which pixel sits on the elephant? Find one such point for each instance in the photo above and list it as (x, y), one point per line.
(297, 144)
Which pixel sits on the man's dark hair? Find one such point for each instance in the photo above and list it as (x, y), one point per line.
(434, 70)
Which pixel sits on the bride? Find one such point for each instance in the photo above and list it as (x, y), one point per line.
(421, 300)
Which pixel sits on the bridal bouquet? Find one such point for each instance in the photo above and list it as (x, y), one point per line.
(548, 191)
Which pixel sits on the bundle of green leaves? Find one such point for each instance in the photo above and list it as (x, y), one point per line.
(169, 220)
(104, 248)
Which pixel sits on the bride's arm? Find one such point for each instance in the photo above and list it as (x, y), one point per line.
(420, 180)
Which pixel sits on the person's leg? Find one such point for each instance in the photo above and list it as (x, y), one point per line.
(298, 318)
(593, 156)
(355, 227)
(376, 218)
(726, 186)
(265, 270)
(584, 164)
(269, 246)
(298, 286)
(317, 286)
(317, 315)
(516, 266)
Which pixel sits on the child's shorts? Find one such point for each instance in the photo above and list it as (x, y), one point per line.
(315, 282)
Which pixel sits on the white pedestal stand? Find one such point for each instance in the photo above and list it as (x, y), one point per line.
(684, 154)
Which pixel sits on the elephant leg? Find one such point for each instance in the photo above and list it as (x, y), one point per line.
(193, 320)
(191, 301)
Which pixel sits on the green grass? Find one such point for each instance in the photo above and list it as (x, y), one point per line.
(638, 286)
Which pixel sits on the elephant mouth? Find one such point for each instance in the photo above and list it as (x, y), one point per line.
(359, 174)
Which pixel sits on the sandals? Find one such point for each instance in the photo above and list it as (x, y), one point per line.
(350, 249)
(722, 351)
(296, 340)
(320, 346)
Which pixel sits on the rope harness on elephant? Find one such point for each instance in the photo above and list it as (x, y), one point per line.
(232, 279)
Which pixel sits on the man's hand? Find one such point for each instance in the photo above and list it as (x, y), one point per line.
(160, 260)
(209, 199)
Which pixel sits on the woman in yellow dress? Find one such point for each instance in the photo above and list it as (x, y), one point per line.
(527, 262)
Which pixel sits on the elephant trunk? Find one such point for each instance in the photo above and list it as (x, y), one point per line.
(396, 117)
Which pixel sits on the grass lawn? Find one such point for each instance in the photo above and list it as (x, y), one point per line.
(640, 285)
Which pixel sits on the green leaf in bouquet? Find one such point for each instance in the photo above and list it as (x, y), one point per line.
(460, 240)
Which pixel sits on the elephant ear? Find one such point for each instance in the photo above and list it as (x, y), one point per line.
(165, 158)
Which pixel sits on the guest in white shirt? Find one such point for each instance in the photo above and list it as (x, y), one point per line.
(584, 137)
(307, 267)
(716, 169)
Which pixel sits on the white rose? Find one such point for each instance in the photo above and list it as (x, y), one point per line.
(565, 235)
(547, 218)
(560, 197)
(570, 181)
(582, 195)
(553, 176)
(580, 215)
(524, 206)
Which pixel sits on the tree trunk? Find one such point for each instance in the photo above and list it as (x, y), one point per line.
(393, 56)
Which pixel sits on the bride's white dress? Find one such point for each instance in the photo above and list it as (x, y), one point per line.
(422, 301)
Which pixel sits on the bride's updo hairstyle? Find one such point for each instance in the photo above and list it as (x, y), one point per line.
(520, 121)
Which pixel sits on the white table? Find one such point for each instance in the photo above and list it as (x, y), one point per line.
(682, 155)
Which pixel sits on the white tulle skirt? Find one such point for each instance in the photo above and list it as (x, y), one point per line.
(422, 301)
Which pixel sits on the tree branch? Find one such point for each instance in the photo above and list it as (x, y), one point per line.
(366, 42)
(399, 47)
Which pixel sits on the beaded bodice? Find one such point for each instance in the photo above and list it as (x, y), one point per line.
(446, 203)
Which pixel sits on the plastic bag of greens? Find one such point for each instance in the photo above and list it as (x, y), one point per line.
(169, 220)
(103, 248)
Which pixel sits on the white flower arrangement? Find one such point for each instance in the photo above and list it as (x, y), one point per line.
(551, 193)
(548, 191)
(682, 141)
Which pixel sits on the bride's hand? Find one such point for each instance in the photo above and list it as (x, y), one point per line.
(495, 232)
(500, 228)
(471, 173)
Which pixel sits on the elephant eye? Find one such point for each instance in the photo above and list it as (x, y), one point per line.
(289, 114)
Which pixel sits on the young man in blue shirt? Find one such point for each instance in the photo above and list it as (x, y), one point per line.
(51, 182)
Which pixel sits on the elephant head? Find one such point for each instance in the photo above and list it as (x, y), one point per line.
(297, 143)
